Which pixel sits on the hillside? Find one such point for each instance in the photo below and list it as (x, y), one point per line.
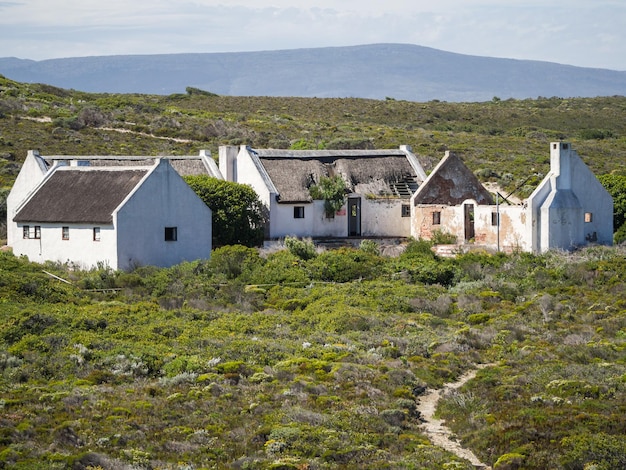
(376, 71)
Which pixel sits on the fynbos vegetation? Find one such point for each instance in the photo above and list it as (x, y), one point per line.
(299, 359)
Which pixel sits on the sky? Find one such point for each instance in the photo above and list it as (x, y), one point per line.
(586, 33)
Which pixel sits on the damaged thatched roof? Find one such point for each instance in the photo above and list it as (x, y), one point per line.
(372, 172)
(80, 196)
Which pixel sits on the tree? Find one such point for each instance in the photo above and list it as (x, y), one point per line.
(616, 186)
(237, 212)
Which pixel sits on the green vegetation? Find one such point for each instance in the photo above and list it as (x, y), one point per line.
(296, 359)
(237, 212)
(304, 358)
(332, 190)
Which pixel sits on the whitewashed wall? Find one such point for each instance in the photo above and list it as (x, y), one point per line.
(163, 200)
(314, 224)
(383, 218)
(80, 249)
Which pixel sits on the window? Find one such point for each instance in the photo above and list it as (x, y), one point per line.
(37, 232)
(65, 233)
(495, 219)
(96, 234)
(436, 218)
(26, 232)
(406, 210)
(588, 217)
(171, 234)
(298, 212)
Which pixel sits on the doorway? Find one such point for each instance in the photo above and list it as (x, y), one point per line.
(354, 217)
(469, 222)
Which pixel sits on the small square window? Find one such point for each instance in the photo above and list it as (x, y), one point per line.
(96, 234)
(298, 212)
(171, 234)
(37, 232)
(26, 231)
(65, 233)
(588, 217)
(495, 219)
(437, 218)
(406, 210)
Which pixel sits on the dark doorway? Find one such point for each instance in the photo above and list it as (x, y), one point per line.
(354, 217)
(469, 222)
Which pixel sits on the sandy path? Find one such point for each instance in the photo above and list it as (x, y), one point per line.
(434, 428)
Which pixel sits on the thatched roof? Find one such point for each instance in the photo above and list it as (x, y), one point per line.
(80, 195)
(371, 172)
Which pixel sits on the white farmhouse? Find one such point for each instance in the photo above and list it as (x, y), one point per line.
(378, 186)
(136, 212)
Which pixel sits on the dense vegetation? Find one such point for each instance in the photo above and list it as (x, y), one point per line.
(238, 215)
(296, 358)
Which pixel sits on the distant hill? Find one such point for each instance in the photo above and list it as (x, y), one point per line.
(378, 71)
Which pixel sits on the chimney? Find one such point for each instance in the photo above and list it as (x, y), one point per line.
(561, 164)
(228, 161)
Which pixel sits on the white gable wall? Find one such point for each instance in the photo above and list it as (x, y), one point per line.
(31, 174)
(162, 200)
(559, 204)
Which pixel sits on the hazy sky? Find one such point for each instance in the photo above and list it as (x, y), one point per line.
(589, 33)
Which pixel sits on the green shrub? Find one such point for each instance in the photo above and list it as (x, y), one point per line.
(233, 261)
(594, 450)
(344, 265)
(303, 249)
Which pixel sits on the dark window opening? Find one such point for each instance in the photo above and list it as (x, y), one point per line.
(37, 232)
(65, 233)
(171, 234)
(26, 232)
(436, 218)
(96, 234)
(495, 219)
(298, 212)
(406, 210)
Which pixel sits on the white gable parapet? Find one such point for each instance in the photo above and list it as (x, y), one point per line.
(570, 207)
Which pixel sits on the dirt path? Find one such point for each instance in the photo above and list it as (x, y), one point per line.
(434, 428)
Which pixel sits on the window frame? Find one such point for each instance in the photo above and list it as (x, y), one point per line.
(406, 210)
(26, 232)
(37, 234)
(96, 234)
(65, 233)
(588, 217)
(298, 212)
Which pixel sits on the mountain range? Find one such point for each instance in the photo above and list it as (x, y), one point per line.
(377, 71)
